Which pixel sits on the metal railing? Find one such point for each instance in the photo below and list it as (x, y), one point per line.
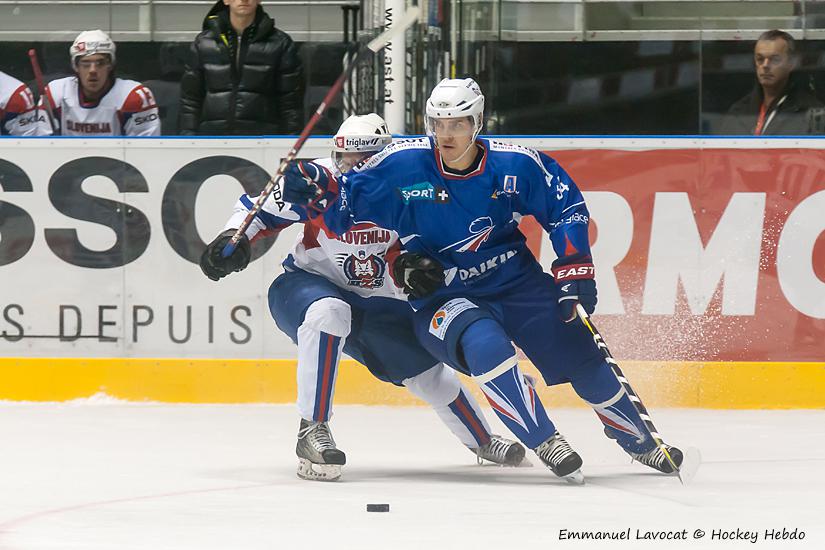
(157, 20)
(480, 20)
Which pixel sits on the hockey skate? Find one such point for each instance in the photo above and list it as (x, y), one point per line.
(502, 451)
(656, 459)
(557, 455)
(318, 457)
(687, 463)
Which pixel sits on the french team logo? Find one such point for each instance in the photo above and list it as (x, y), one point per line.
(509, 188)
(510, 185)
(480, 230)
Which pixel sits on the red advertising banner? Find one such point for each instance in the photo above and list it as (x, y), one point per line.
(705, 254)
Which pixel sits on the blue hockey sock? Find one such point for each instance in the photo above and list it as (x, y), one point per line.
(492, 361)
(602, 391)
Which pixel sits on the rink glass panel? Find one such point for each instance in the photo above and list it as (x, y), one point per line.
(547, 67)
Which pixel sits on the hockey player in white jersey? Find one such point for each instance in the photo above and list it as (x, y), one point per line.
(337, 296)
(18, 113)
(94, 102)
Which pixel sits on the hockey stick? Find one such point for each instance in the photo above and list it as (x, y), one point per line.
(41, 89)
(691, 457)
(374, 46)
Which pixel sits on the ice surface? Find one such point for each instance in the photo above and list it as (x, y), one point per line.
(103, 474)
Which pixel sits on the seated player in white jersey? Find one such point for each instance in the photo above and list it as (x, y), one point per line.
(336, 296)
(18, 114)
(94, 102)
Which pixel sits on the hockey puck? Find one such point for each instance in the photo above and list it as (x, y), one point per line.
(378, 507)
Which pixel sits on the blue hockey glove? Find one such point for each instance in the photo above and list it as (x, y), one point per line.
(574, 276)
(215, 266)
(310, 185)
(417, 274)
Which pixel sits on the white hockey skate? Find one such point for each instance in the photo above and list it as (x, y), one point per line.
(557, 455)
(318, 457)
(502, 451)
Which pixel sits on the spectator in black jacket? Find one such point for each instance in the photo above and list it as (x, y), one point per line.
(243, 76)
(777, 105)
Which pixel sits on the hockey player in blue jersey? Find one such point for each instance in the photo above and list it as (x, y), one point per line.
(335, 296)
(455, 201)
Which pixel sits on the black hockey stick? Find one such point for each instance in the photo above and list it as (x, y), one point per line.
(692, 461)
(374, 46)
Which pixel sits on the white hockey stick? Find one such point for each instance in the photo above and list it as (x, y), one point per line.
(691, 458)
(374, 46)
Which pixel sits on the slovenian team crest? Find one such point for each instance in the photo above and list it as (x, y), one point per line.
(480, 230)
(364, 271)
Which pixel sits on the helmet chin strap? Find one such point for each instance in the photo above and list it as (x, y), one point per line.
(470, 146)
(467, 150)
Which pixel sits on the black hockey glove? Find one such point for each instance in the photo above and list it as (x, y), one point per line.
(310, 185)
(417, 274)
(215, 266)
(574, 279)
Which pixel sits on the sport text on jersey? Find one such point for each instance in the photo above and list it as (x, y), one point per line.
(423, 191)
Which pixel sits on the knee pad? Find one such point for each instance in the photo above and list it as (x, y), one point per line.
(329, 315)
(438, 386)
(596, 383)
(486, 346)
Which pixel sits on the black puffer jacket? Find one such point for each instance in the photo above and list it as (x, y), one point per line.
(251, 86)
(795, 113)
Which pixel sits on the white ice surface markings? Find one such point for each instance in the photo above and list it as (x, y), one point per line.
(123, 476)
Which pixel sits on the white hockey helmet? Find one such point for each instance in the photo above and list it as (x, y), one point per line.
(90, 43)
(364, 134)
(455, 98)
